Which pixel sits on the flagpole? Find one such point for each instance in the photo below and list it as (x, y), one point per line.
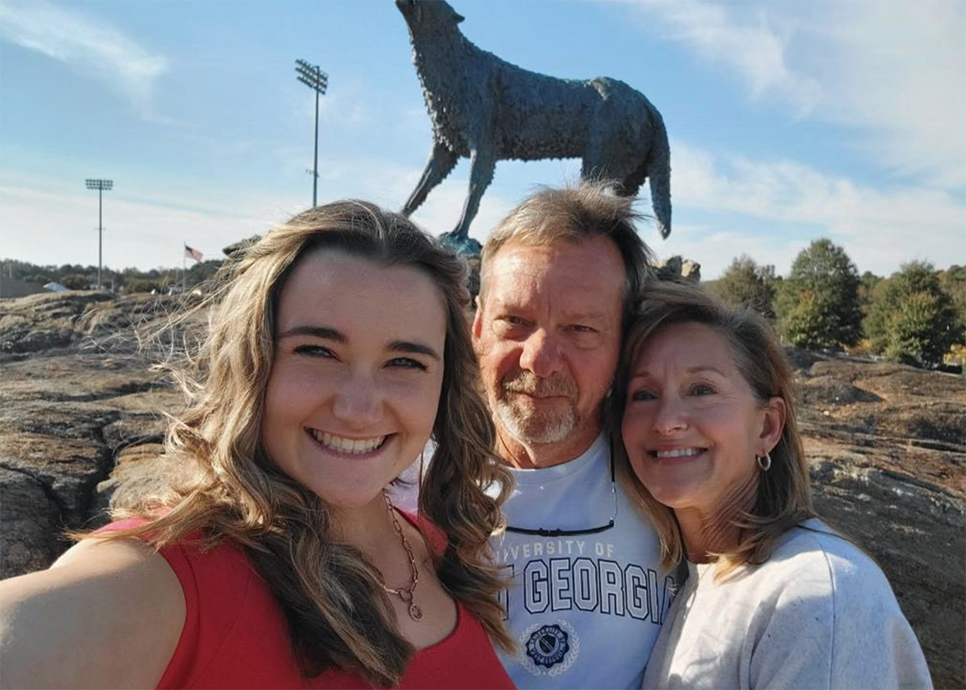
(184, 266)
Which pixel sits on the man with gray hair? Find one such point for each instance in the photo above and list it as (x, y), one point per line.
(558, 280)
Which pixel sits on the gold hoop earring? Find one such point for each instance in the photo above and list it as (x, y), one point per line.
(764, 462)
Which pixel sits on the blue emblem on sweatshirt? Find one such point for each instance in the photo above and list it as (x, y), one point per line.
(548, 646)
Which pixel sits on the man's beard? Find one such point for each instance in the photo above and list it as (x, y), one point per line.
(528, 425)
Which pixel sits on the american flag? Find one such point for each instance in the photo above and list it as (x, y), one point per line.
(193, 253)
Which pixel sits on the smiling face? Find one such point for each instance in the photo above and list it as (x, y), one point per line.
(355, 385)
(692, 426)
(548, 338)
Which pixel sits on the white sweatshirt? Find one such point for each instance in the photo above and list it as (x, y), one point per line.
(818, 614)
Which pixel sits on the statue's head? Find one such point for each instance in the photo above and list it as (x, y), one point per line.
(428, 15)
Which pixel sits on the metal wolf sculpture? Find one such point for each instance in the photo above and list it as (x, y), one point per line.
(487, 109)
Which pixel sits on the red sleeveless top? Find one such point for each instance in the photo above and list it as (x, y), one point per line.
(235, 635)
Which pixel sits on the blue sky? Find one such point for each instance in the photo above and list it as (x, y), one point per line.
(788, 120)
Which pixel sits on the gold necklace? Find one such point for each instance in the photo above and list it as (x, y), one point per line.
(406, 594)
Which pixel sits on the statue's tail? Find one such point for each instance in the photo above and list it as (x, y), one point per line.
(658, 169)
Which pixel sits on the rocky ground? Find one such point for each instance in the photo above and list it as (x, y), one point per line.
(887, 449)
(81, 413)
(78, 401)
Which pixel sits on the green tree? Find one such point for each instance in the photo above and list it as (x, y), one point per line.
(953, 283)
(745, 283)
(141, 285)
(75, 281)
(867, 284)
(912, 319)
(818, 304)
(203, 271)
(806, 323)
(911, 337)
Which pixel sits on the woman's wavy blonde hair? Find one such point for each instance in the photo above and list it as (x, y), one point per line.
(783, 498)
(337, 612)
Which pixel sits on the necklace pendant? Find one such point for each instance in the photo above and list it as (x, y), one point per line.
(415, 612)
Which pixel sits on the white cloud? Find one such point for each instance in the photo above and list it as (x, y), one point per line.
(900, 70)
(339, 107)
(442, 210)
(49, 221)
(715, 249)
(390, 184)
(753, 45)
(879, 228)
(892, 68)
(90, 47)
(768, 210)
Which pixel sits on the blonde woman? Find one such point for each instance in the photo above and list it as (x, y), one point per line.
(337, 347)
(773, 598)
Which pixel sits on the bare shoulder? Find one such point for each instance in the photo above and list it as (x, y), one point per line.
(106, 614)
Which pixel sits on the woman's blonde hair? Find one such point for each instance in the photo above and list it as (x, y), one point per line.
(783, 497)
(337, 612)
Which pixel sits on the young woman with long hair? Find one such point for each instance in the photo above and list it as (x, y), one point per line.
(336, 347)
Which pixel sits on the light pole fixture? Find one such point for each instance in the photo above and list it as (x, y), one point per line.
(101, 186)
(317, 80)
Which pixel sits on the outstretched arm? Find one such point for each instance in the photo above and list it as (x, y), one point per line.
(106, 615)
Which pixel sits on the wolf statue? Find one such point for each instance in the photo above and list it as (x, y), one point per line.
(486, 109)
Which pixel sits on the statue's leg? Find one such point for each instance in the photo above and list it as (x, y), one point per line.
(605, 159)
(592, 166)
(611, 154)
(594, 163)
(441, 162)
(482, 167)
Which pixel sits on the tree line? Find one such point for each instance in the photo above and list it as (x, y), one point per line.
(126, 281)
(915, 316)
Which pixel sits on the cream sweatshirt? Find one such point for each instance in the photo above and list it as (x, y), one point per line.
(818, 614)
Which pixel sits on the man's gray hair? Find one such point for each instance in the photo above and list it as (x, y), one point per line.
(575, 213)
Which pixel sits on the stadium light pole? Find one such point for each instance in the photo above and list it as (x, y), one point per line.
(100, 186)
(317, 80)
